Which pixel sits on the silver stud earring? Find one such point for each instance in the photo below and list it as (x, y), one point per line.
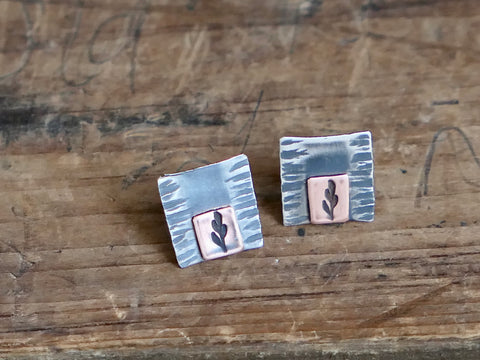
(211, 211)
(327, 179)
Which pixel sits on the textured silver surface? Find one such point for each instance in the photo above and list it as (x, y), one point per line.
(304, 157)
(189, 193)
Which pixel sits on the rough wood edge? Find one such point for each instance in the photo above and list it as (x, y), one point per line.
(355, 350)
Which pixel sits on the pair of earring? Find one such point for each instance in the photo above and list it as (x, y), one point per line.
(212, 212)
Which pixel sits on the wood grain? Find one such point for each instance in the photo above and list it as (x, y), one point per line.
(99, 98)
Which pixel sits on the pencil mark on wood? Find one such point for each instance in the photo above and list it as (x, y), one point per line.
(98, 59)
(445, 102)
(251, 122)
(25, 265)
(131, 37)
(133, 176)
(29, 39)
(70, 280)
(135, 19)
(137, 33)
(422, 187)
(68, 44)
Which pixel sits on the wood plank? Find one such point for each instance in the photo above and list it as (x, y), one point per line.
(99, 98)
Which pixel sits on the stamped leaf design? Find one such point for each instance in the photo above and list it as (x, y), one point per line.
(331, 197)
(326, 208)
(218, 236)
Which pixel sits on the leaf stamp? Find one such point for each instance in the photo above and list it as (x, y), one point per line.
(332, 199)
(328, 199)
(220, 231)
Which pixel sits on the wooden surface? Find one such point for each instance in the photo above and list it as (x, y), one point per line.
(99, 98)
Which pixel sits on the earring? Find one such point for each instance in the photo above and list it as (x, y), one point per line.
(211, 211)
(327, 179)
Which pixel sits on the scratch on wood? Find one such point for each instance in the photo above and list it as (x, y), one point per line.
(306, 9)
(120, 314)
(294, 36)
(405, 308)
(180, 332)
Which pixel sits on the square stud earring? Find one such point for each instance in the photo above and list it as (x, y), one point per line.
(327, 179)
(211, 211)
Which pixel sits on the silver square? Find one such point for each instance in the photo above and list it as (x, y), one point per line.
(190, 193)
(305, 157)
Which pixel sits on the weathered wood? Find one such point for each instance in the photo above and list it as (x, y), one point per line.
(99, 98)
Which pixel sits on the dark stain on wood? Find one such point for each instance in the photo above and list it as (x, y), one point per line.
(67, 124)
(445, 102)
(18, 117)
